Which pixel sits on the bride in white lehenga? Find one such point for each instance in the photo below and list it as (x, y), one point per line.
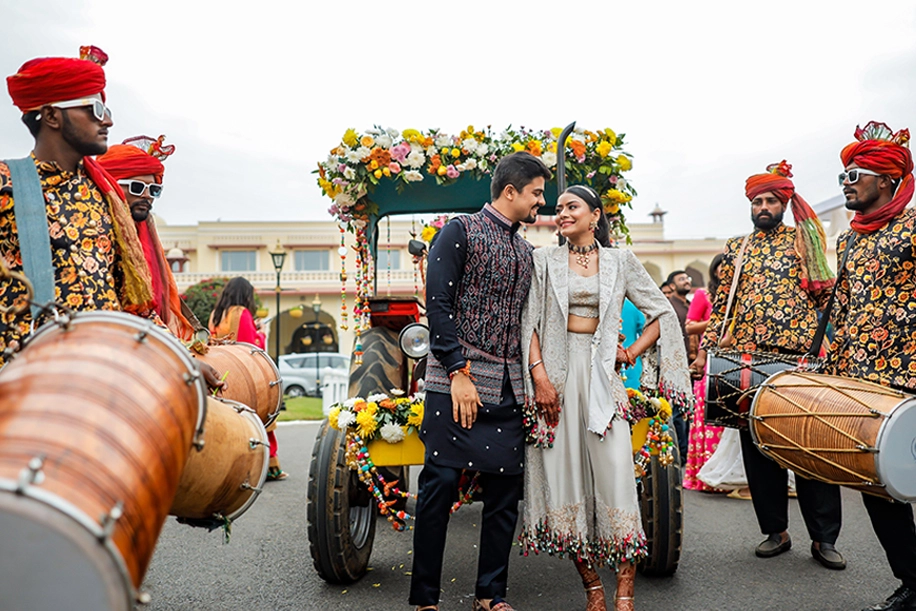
(580, 489)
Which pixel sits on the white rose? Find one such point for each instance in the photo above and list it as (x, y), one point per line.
(376, 397)
(482, 149)
(392, 433)
(412, 176)
(416, 159)
(383, 141)
(621, 184)
(443, 140)
(392, 132)
(469, 144)
(470, 164)
(345, 418)
(549, 159)
(363, 152)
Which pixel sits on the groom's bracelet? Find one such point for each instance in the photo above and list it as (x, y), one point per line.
(534, 364)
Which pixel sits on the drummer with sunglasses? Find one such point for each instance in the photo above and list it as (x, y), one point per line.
(875, 317)
(62, 221)
(782, 283)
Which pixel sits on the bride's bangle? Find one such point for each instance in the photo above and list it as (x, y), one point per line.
(630, 359)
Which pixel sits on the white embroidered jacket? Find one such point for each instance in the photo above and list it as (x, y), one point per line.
(621, 275)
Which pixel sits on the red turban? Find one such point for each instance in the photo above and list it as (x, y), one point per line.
(882, 150)
(54, 79)
(810, 239)
(127, 161)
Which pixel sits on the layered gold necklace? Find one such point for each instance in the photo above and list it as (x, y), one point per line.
(582, 252)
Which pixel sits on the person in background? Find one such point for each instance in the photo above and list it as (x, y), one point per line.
(233, 319)
(680, 282)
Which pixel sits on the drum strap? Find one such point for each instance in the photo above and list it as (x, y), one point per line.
(32, 227)
(739, 263)
(828, 310)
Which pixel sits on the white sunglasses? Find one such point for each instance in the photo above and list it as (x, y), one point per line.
(853, 175)
(138, 188)
(99, 110)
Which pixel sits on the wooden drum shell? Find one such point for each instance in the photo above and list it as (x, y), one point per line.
(113, 405)
(253, 379)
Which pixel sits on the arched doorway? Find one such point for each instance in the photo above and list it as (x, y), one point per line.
(654, 272)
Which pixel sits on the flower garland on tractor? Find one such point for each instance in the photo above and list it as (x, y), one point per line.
(360, 162)
(658, 438)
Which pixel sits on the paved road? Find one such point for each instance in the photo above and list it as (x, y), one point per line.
(266, 566)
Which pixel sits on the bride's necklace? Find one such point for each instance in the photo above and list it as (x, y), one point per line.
(582, 252)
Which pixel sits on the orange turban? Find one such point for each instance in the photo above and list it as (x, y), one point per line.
(54, 79)
(126, 161)
(880, 149)
(810, 239)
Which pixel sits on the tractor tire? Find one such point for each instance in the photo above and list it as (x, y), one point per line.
(341, 520)
(662, 506)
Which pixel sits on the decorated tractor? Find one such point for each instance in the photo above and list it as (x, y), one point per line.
(361, 458)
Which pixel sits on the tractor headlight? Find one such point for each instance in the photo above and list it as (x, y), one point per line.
(414, 340)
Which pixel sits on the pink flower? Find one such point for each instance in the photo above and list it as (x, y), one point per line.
(394, 167)
(341, 168)
(452, 172)
(612, 180)
(590, 175)
(400, 152)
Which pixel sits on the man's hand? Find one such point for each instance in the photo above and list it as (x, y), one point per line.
(546, 398)
(212, 377)
(465, 400)
(698, 366)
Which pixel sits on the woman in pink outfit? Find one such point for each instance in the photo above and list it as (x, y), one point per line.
(703, 439)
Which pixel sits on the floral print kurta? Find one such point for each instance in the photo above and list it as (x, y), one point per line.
(82, 252)
(771, 310)
(875, 312)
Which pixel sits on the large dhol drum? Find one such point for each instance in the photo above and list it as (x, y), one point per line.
(732, 378)
(840, 431)
(98, 415)
(222, 481)
(252, 377)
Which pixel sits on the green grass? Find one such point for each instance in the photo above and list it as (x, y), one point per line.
(302, 408)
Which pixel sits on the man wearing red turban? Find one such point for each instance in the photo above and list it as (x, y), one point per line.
(875, 323)
(94, 253)
(782, 281)
(137, 166)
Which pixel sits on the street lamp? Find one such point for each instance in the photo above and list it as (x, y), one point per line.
(279, 257)
(316, 308)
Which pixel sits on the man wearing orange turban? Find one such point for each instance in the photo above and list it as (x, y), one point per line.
(94, 260)
(137, 166)
(782, 282)
(875, 318)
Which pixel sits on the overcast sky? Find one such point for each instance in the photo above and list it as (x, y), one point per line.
(254, 94)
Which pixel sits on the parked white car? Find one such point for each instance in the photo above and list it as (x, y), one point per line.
(301, 371)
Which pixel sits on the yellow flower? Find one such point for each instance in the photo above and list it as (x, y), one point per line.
(604, 148)
(517, 146)
(555, 131)
(428, 234)
(552, 147)
(411, 135)
(456, 152)
(611, 209)
(350, 138)
(367, 141)
(624, 163)
(616, 196)
(386, 171)
(378, 173)
(366, 424)
(665, 411)
(610, 135)
(416, 416)
(442, 170)
(373, 165)
(332, 417)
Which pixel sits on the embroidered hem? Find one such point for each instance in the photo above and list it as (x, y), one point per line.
(611, 551)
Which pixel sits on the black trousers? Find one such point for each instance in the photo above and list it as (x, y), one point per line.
(438, 490)
(769, 484)
(893, 523)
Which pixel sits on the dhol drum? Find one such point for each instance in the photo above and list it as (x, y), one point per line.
(252, 377)
(98, 414)
(840, 431)
(223, 480)
(732, 378)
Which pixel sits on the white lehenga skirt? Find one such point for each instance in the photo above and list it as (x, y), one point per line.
(580, 495)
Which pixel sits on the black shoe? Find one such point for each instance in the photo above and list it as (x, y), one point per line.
(773, 545)
(828, 555)
(903, 599)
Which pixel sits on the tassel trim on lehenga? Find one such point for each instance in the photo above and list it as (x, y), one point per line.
(597, 552)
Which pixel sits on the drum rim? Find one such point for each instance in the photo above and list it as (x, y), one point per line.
(142, 324)
(879, 442)
(247, 412)
(70, 511)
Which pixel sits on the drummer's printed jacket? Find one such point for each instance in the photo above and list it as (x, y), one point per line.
(85, 259)
(875, 312)
(771, 312)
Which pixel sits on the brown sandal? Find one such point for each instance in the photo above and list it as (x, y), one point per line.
(500, 606)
